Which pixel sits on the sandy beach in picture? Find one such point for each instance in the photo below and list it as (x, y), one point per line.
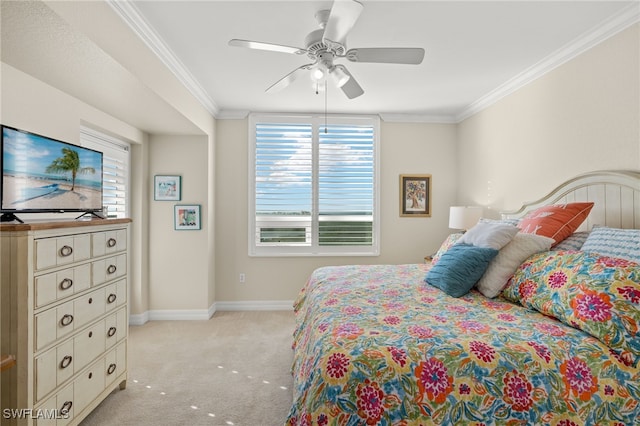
(17, 188)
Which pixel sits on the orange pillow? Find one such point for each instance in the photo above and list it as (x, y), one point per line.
(557, 221)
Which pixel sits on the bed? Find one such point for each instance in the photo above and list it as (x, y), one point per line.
(557, 344)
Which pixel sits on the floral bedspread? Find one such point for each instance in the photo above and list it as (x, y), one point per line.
(376, 345)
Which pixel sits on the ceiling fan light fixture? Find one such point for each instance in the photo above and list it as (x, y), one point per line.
(317, 74)
(340, 77)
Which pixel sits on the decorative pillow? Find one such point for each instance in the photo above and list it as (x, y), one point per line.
(506, 221)
(597, 294)
(572, 242)
(502, 267)
(493, 235)
(614, 242)
(460, 268)
(446, 245)
(557, 221)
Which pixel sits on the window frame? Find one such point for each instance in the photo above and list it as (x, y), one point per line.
(120, 150)
(317, 121)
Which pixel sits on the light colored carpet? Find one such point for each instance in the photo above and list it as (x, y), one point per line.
(234, 369)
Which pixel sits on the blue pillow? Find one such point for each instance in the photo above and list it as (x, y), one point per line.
(460, 268)
(614, 242)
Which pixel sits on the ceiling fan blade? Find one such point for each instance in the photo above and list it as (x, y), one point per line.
(266, 46)
(351, 88)
(288, 79)
(388, 55)
(342, 18)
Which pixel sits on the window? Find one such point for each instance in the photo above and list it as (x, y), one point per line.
(115, 169)
(314, 187)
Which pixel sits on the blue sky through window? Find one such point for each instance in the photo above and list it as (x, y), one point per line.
(284, 169)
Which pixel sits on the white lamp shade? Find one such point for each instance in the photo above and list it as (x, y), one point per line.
(464, 217)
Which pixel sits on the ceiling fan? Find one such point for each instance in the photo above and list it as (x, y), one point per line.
(325, 45)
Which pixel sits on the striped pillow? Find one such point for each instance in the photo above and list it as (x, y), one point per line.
(614, 242)
(572, 242)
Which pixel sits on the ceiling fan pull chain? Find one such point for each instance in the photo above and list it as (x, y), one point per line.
(326, 89)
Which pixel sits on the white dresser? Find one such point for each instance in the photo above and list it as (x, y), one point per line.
(64, 316)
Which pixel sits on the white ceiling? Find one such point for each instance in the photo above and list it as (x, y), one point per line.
(476, 51)
(472, 48)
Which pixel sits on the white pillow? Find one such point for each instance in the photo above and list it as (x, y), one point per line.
(504, 265)
(489, 234)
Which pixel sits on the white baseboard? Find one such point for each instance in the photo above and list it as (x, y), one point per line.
(255, 305)
(139, 319)
(204, 315)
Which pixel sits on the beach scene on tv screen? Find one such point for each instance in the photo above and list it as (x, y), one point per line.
(44, 174)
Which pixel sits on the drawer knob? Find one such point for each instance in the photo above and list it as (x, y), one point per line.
(66, 284)
(111, 269)
(111, 369)
(111, 331)
(66, 407)
(66, 361)
(66, 251)
(66, 320)
(111, 242)
(111, 298)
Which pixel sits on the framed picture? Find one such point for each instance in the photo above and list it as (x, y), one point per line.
(415, 195)
(186, 217)
(167, 188)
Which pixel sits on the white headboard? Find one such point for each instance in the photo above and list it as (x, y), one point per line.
(615, 193)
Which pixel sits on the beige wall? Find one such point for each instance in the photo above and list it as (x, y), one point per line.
(580, 117)
(178, 277)
(405, 148)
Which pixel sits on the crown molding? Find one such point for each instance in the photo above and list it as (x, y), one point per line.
(619, 22)
(417, 118)
(227, 114)
(132, 17)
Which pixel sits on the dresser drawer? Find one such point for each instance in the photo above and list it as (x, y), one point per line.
(108, 269)
(89, 306)
(54, 324)
(53, 368)
(88, 385)
(58, 285)
(60, 404)
(58, 251)
(88, 345)
(63, 319)
(116, 294)
(108, 242)
(115, 363)
(116, 326)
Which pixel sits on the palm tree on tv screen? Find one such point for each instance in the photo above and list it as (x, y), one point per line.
(69, 162)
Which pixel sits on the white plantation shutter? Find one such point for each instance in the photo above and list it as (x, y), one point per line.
(283, 179)
(346, 185)
(313, 187)
(115, 169)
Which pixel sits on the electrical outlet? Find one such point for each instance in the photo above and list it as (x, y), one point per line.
(242, 277)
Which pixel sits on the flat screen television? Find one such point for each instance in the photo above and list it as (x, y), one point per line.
(41, 174)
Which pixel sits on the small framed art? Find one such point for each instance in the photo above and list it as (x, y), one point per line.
(167, 187)
(415, 195)
(186, 217)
